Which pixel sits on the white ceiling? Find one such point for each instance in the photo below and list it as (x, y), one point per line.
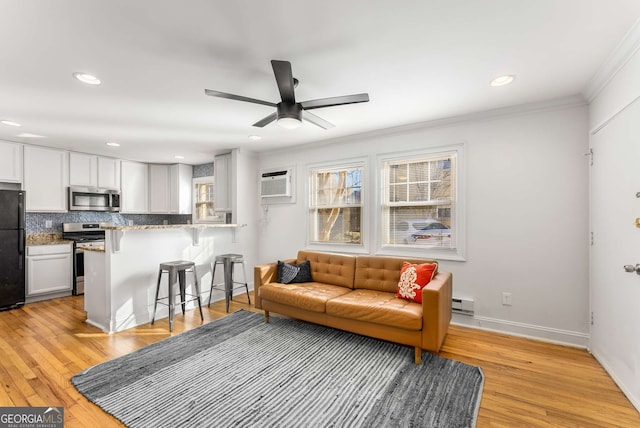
(419, 60)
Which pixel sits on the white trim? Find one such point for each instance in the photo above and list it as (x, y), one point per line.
(614, 63)
(619, 381)
(529, 331)
(459, 213)
(363, 246)
(499, 113)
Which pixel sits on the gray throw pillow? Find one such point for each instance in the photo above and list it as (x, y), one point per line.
(289, 273)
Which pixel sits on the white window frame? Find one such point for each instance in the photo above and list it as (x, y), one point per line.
(345, 247)
(458, 209)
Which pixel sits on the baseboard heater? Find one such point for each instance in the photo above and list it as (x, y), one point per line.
(462, 306)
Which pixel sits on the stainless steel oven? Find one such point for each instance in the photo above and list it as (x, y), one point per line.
(83, 235)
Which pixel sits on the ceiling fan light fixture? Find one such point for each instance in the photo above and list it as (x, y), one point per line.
(289, 122)
(289, 115)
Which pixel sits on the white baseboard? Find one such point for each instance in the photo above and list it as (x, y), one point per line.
(621, 384)
(530, 331)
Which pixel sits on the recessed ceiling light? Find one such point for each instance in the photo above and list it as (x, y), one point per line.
(112, 144)
(28, 135)
(9, 123)
(179, 157)
(87, 78)
(503, 80)
(255, 137)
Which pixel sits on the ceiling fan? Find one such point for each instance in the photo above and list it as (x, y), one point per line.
(288, 112)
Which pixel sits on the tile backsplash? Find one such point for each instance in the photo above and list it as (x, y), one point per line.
(37, 222)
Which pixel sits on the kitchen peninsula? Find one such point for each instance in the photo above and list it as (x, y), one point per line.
(120, 280)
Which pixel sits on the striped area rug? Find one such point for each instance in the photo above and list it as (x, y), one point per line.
(240, 372)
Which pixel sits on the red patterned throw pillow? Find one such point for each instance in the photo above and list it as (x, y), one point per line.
(413, 278)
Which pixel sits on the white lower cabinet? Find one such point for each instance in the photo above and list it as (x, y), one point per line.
(49, 269)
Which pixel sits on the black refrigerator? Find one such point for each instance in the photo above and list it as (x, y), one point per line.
(12, 249)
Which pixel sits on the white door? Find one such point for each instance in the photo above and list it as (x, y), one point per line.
(615, 293)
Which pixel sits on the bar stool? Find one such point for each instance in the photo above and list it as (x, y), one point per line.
(177, 271)
(228, 262)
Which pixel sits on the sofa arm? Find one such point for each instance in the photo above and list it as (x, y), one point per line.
(263, 274)
(436, 311)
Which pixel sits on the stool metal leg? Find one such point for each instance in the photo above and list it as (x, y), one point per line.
(197, 285)
(173, 278)
(213, 276)
(228, 281)
(155, 303)
(182, 276)
(246, 286)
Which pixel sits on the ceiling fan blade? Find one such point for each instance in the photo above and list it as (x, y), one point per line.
(317, 120)
(335, 101)
(267, 120)
(284, 79)
(237, 97)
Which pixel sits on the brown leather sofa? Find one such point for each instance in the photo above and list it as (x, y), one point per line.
(358, 294)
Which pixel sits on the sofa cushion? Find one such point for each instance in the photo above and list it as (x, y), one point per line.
(413, 278)
(311, 296)
(381, 273)
(292, 273)
(377, 307)
(330, 268)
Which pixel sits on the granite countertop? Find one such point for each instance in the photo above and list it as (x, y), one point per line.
(173, 226)
(97, 249)
(34, 239)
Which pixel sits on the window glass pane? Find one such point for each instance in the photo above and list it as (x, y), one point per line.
(419, 225)
(335, 212)
(338, 225)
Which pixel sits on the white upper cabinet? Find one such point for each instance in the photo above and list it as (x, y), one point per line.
(159, 189)
(180, 178)
(109, 173)
(94, 171)
(46, 178)
(222, 171)
(134, 181)
(170, 189)
(83, 170)
(10, 162)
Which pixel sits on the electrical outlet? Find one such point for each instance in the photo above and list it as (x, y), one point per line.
(165, 222)
(129, 222)
(506, 299)
(48, 224)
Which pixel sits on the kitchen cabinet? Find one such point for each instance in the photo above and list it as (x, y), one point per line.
(46, 178)
(170, 189)
(159, 189)
(134, 184)
(10, 162)
(94, 171)
(49, 269)
(180, 178)
(83, 170)
(109, 173)
(222, 170)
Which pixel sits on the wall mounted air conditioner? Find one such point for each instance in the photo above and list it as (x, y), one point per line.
(275, 184)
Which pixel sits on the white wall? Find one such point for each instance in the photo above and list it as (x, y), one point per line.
(527, 222)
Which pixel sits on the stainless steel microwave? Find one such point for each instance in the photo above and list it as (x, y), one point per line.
(93, 199)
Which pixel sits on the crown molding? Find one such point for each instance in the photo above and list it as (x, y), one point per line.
(625, 50)
(498, 113)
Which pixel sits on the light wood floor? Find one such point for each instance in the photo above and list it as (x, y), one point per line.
(527, 383)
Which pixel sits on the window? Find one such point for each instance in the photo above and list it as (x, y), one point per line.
(335, 205)
(419, 201)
